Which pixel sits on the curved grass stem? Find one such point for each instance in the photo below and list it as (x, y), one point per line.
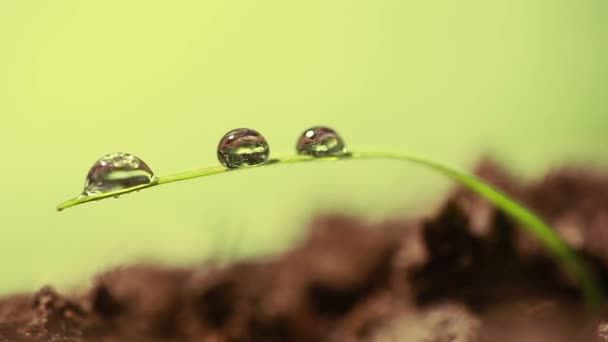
(575, 265)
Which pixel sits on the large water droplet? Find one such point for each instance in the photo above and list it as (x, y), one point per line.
(117, 171)
(242, 147)
(320, 141)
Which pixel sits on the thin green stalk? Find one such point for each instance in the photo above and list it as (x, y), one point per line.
(575, 265)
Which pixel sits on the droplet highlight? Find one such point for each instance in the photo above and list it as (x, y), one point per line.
(117, 171)
(320, 141)
(242, 147)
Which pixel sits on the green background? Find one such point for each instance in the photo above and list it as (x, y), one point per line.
(522, 80)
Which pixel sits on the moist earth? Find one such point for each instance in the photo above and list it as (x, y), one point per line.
(466, 272)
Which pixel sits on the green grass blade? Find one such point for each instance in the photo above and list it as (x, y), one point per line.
(575, 265)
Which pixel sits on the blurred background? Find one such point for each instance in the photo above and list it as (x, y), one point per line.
(524, 81)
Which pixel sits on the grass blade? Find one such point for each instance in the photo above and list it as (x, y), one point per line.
(575, 265)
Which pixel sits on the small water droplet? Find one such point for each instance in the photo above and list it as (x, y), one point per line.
(242, 147)
(117, 171)
(320, 141)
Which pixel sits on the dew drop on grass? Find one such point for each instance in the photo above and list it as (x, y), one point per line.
(320, 141)
(117, 171)
(242, 147)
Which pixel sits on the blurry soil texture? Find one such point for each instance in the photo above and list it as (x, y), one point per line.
(463, 273)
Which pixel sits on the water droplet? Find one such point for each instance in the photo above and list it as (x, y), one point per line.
(242, 147)
(117, 171)
(320, 141)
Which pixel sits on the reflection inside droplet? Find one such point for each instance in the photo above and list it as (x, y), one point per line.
(242, 147)
(320, 141)
(117, 171)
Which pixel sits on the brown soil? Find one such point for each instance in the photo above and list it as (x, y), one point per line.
(464, 274)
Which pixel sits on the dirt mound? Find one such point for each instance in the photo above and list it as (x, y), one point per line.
(465, 274)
